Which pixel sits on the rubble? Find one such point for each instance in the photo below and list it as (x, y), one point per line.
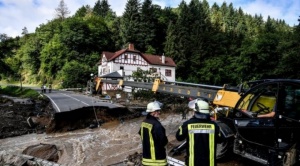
(14, 117)
(19, 159)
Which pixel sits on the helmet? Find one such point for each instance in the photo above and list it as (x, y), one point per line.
(153, 106)
(202, 107)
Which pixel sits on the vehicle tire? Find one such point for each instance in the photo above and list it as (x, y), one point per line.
(224, 148)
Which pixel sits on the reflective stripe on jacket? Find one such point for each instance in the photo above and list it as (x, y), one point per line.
(201, 135)
(154, 140)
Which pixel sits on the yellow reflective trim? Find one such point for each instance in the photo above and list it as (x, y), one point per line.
(154, 162)
(152, 149)
(180, 130)
(206, 127)
(212, 149)
(191, 149)
(201, 126)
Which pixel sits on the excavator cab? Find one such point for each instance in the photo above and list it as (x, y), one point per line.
(269, 140)
(259, 101)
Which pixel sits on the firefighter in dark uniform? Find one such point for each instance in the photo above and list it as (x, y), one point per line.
(201, 135)
(153, 136)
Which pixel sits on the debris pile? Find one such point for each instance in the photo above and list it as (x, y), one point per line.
(134, 159)
(23, 117)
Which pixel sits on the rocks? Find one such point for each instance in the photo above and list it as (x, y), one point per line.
(134, 159)
(43, 151)
(18, 119)
(19, 159)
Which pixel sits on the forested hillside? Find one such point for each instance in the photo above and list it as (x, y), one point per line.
(210, 44)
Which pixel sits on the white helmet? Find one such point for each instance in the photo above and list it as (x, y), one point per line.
(199, 105)
(202, 107)
(153, 106)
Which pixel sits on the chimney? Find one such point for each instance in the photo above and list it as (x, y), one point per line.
(131, 46)
(163, 59)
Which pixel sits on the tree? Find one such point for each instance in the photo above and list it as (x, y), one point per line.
(62, 10)
(148, 22)
(97, 8)
(74, 74)
(8, 46)
(105, 8)
(53, 57)
(178, 41)
(200, 33)
(83, 11)
(116, 34)
(165, 17)
(290, 60)
(24, 31)
(102, 8)
(130, 23)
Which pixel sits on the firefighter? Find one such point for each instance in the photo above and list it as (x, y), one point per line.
(153, 136)
(201, 135)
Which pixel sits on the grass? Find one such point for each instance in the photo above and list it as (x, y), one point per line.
(16, 91)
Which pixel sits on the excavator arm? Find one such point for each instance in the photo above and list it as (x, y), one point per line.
(218, 95)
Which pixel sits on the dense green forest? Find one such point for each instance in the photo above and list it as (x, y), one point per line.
(210, 44)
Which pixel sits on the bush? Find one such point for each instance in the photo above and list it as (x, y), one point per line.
(16, 91)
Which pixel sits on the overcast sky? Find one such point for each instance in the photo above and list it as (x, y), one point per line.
(17, 14)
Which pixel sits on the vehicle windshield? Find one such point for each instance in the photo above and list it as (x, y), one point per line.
(283, 99)
(261, 100)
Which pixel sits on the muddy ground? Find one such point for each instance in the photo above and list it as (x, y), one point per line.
(94, 136)
(14, 116)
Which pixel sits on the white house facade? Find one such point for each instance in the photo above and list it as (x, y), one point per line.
(129, 60)
(126, 61)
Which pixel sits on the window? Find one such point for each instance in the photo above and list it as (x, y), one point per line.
(126, 56)
(153, 70)
(261, 100)
(121, 67)
(290, 97)
(168, 73)
(134, 58)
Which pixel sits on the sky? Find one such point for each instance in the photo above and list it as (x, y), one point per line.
(17, 14)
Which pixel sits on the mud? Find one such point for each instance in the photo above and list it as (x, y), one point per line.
(14, 117)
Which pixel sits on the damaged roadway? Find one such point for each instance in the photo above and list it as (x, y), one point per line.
(64, 101)
(77, 137)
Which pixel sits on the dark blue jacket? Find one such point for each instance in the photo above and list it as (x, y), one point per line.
(201, 135)
(154, 140)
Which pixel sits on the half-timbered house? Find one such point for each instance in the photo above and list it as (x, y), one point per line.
(123, 63)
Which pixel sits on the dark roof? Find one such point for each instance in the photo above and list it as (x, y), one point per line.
(151, 59)
(157, 60)
(112, 75)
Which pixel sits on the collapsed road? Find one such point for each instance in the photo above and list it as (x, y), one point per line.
(64, 101)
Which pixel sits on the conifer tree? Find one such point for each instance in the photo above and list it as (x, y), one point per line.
(177, 42)
(102, 8)
(97, 8)
(105, 8)
(130, 23)
(83, 11)
(148, 22)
